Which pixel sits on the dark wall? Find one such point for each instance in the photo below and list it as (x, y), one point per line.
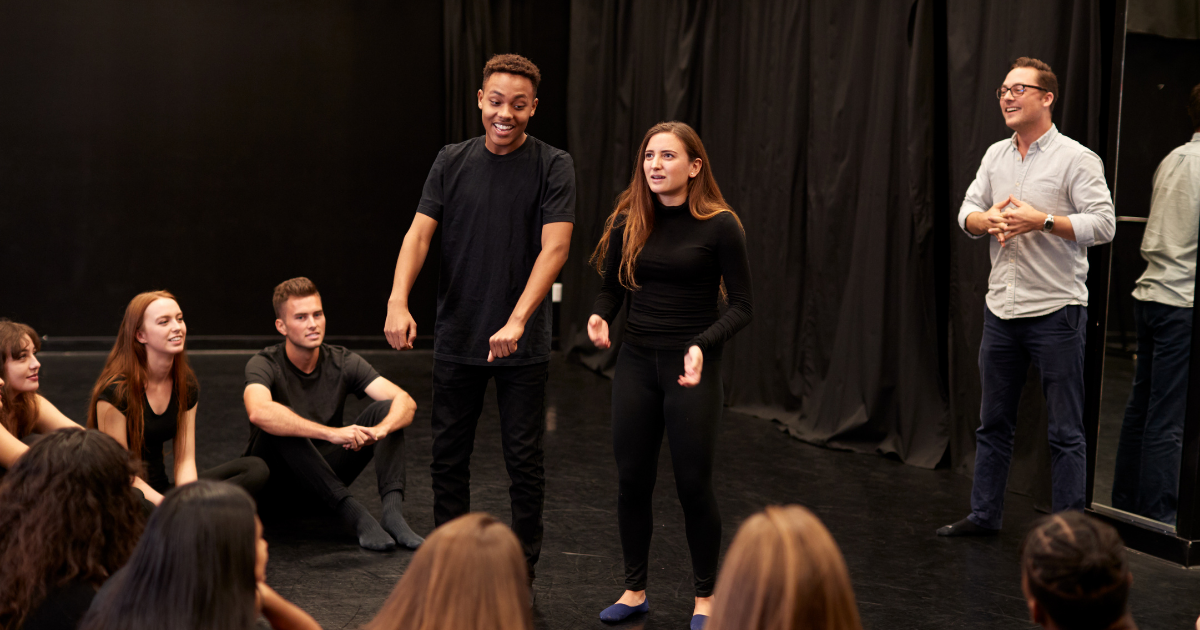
(212, 148)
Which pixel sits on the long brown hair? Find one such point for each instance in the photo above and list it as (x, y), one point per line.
(19, 410)
(68, 514)
(635, 206)
(469, 574)
(784, 572)
(126, 367)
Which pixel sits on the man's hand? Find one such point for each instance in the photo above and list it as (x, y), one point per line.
(352, 437)
(374, 434)
(990, 222)
(400, 327)
(693, 364)
(504, 342)
(1023, 218)
(597, 330)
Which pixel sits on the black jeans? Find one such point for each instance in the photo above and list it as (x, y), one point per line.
(1146, 480)
(646, 398)
(325, 468)
(458, 391)
(1054, 343)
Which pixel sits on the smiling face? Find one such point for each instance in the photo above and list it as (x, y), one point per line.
(667, 168)
(162, 327)
(21, 370)
(1028, 110)
(303, 322)
(507, 102)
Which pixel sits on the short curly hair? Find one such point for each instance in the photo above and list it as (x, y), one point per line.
(512, 64)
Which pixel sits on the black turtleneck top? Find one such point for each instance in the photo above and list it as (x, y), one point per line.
(679, 271)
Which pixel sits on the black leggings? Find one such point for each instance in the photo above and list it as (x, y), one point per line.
(646, 398)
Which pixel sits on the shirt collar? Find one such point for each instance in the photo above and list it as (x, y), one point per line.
(1047, 139)
(1196, 137)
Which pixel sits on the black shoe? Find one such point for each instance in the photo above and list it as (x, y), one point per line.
(966, 528)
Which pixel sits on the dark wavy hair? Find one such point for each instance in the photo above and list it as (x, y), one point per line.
(67, 513)
(18, 411)
(1075, 567)
(193, 568)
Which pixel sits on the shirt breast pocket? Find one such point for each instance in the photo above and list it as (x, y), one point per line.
(1046, 198)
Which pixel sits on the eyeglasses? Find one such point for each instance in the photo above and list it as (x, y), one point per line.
(1017, 90)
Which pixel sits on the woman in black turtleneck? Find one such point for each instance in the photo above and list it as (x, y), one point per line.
(676, 249)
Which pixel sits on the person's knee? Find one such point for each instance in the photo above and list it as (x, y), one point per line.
(258, 473)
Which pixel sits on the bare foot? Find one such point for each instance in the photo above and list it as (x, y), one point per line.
(703, 606)
(632, 598)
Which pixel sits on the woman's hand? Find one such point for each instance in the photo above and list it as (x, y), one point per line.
(693, 364)
(598, 331)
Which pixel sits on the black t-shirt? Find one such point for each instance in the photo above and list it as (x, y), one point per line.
(319, 396)
(157, 429)
(62, 609)
(679, 271)
(491, 209)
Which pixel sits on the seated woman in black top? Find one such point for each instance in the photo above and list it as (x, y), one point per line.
(22, 410)
(137, 398)
(200, 565)
(671, 245)
(68, 520)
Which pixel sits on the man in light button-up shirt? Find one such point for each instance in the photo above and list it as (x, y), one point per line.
(1042, 198)
(1146, 480)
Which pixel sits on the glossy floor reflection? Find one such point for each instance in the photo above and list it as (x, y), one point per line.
(882, 513)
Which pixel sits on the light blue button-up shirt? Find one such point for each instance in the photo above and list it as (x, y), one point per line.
(1169, 245)
(1038, 273)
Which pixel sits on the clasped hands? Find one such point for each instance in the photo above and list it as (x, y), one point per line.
(353, 437)
(1005, 222)
(693, 361)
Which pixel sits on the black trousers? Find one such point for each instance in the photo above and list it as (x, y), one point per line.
(325, 468)
(646, 399)
(251, 473)
(458, 391)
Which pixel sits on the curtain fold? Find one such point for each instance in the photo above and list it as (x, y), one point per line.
(817, 119)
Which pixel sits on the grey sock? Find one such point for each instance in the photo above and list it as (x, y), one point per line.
(394, 523)
(370, 534)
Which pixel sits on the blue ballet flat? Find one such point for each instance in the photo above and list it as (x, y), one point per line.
(621, 612)
(699, 621)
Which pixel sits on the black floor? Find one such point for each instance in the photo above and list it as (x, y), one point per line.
(882, 513)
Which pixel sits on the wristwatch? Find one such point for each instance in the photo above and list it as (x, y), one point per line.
(1048, 225)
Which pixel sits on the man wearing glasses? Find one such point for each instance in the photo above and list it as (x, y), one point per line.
(1043, 199)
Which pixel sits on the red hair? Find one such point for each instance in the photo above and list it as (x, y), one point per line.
(126, 368)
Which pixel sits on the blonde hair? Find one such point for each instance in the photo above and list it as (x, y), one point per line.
(469, 574)
(784, 572)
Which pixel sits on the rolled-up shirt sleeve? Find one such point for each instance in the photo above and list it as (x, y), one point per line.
(979, 194)
(1095, 219)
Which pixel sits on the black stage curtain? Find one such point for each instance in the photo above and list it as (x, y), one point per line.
(817, 117)
(213, 148)
(474, 30)
(983, 39)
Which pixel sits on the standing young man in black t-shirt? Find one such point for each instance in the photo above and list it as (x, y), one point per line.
(506, 205)
(295, 395)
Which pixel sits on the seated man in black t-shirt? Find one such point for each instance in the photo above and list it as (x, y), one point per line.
(295, 395)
